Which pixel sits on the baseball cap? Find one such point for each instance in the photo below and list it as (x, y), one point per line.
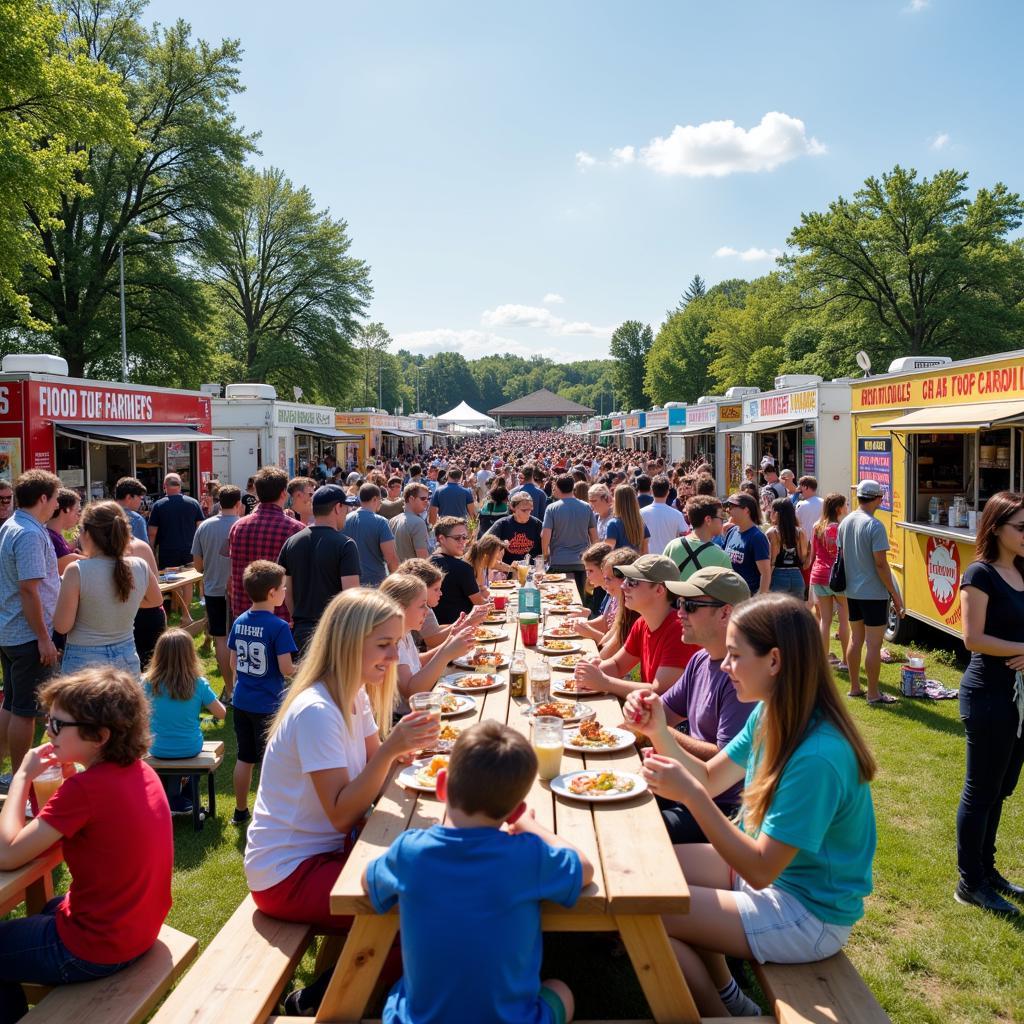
(714, 581)
(742, 500)
(650, 568)
(328, 496)
(869, 489)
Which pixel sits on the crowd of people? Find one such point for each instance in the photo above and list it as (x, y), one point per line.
(332, 600)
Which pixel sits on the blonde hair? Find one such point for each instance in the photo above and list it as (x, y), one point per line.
(175, 666)
(804, 695)
(627, 509)
(403, 587)
(335, 656)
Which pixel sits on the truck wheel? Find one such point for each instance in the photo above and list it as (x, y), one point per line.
(897, 630)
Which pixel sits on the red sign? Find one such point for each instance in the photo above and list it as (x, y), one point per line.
(943, 566)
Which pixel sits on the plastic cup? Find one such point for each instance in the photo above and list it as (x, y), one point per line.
(540, 682)
(500, 600)
(522, 571)
(528, 626)
(47, 783)
(548, 745)
(429, 702)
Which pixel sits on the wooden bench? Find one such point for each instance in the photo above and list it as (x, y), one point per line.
(827, 992)
(241, 974)
(124, 998)
(206, 762)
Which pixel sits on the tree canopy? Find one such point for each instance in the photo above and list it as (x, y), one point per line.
(629, 346)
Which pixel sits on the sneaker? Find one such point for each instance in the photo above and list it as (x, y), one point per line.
(1004, 886)
(985, 897)
(180, 804)
(241, 817)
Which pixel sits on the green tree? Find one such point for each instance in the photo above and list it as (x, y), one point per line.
(281, 272)
(177, 184)
(372, 342)
(678, 365)
(629, 346)
(55, 103)
(926, 269)
(445, 381)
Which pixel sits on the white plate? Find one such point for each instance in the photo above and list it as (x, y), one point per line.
(553, 577)
(452, 682)
(552, 635)
(501, 585)
(407, 777)
(560, 785)
(574, 648)
(582, 711)
(561, 609)
(497, 638)
(559, 686)
(464, 704)
(465, 663)
(625, 737)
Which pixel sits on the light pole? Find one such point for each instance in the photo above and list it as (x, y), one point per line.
(380, 364)
(124, 334)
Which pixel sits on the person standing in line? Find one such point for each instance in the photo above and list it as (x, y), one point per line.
(373, 537)
(568, 529)
(808, 512)
(6, 501)
(249, 498)
(207, 551)
(600, 499)
(128, 493)
(300, 494)
(790, 550)
(862, 541)
(788, 480)
(394, 504)
(663, 522)
(172, 528)
(700, 548)
(319, 563)
(991, 701)
(453, 500)
(626, 528)
(412, 538)
(746, 545)
(824, 546)
(65, 517)
(773, 487)
(29, 585)
(644, 497)
(527, 476)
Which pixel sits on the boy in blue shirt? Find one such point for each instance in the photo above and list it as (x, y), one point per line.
(261, 647)
(501, 878)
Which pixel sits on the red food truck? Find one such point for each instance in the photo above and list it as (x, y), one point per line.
(91, 433)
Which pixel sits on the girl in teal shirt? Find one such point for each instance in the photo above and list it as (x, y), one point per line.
(788, 884)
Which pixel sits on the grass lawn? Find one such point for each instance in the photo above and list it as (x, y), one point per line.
(927, 959)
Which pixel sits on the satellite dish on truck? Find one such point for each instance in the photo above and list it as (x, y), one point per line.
(864, 362)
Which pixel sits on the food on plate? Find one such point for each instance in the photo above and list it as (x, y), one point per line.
(562, 631)
(569, 661)
(427, 775)
(558, 645)
(473, 682)
(552, 577)
(561, 597)
(486, 634)
(557, 708)
(483, 658)
(501, 585)
(600, 782)
(445, 739)
(591, 734)
(449, 703)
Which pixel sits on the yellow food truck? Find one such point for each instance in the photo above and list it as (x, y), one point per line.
(941, 440)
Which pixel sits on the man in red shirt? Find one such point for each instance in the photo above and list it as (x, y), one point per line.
(260, 535)
(654, 643)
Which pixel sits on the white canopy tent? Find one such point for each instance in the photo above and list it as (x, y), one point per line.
(467, 416)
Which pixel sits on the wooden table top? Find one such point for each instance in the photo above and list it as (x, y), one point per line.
(635, 868)
(185, 576)
(14, 883)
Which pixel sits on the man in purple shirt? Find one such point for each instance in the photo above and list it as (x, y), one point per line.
(704, 697)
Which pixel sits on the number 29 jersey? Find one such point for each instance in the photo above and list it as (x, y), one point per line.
(257, 638)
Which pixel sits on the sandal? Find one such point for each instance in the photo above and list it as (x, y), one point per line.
(885, 698)
(859, 693)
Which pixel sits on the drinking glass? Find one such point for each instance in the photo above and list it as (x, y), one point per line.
(46, 783)
(548, 744)
(540, 682)
(429, 702)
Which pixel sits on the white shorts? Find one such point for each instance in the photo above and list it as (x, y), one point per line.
(781, 930)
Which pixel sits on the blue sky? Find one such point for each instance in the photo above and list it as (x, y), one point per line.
(523, 177)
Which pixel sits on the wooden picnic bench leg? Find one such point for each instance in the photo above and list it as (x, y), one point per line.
(657, 969)
(359, 966)
(39, 893)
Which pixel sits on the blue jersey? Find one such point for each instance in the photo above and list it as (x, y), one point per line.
(257, 638)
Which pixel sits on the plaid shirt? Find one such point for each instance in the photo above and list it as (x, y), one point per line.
(260, 534)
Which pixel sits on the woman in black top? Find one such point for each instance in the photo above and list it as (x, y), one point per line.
(991, 699)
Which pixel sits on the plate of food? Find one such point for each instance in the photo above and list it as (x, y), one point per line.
(567, 663)
(470, 682)
(566, 632)
(482, 658)
(553, 577)
(500, 585)
(456, 704)
(422, 774)
(569, 711)
(599, 787)
(558, 647)
(591, 737)
(567, 609)
(483, 635)
(570, 688)
(496, 619)
(445, 740)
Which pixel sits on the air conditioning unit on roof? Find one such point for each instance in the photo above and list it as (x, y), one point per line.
(905, 363)
(267, 392)
(741, 392)
(797, 380)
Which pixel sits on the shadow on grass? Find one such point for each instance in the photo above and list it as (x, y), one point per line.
(919, 710)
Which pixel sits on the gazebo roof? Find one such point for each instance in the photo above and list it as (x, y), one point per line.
(541, 403)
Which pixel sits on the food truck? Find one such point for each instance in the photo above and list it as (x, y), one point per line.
(265, 431)
(803, 424)
(379, 435)
(652, 435)
(696, 434)
(91, 433)
(941, 438)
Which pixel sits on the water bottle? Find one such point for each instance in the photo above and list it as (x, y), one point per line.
(529, 598)
(933, 509)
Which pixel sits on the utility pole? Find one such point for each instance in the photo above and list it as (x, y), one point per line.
(380, 364)
(124, 335)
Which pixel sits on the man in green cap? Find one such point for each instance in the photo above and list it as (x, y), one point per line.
(654, 642)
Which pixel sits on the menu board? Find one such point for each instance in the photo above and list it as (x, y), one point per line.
(874, 462)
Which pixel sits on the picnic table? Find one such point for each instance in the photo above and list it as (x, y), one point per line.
(32, 882)
(175, 590)
(637, 876)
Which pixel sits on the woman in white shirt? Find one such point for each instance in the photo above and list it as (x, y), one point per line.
(326, 761)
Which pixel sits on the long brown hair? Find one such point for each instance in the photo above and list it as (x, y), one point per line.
(998, 510)
(627, 509)
(107, 527)
(831, 506)
(175, 666)
(624, 617)
(481, 551)
(804, 696)
(786, 525)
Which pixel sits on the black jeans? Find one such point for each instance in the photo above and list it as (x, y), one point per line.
(681, 824)
(995, 754)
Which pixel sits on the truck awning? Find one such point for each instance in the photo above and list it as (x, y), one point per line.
(763, 426)
(327, 432)
(135, 433)
(394, 432)
(955, 418)
(697, 428)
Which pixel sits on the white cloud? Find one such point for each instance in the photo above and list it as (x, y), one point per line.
(552, 299)
(513, 315)
(751, 255)
(717, 148)
(941, 141)
(918, 5)
(470, 343)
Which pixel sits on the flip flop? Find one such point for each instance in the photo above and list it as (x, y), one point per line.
(886, 698)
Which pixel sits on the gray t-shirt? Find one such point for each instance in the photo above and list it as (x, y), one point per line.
(102, 617)
(369, 531)
(570, 522)
(410, 533)
(209, 543)
(860, 536)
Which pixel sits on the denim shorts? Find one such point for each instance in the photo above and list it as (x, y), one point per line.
(788, 581)
(122, 656)
(781, 930)
(823, 590)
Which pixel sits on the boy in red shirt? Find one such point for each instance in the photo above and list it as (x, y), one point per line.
(655, 642)
(115, 826)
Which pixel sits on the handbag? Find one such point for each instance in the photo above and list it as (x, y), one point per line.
(837, 574)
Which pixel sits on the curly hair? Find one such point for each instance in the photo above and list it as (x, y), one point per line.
(106, 698)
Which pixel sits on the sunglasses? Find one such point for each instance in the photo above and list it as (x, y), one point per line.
(7, 500)
(459, 536)
(690, 605)
(628, 581)
(55, 725)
